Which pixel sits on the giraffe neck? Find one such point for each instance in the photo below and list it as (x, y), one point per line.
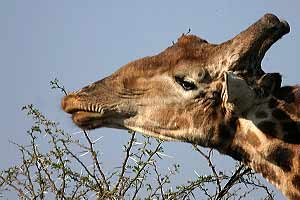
(278, 119)
(268, 141)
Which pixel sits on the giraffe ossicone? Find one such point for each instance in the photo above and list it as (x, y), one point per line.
(214, 95)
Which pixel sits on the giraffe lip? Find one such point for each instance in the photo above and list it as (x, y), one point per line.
(92, 120)
(88, 120)
(72, 104)
(84, 115)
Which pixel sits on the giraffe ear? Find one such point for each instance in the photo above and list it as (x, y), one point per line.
(238, 93)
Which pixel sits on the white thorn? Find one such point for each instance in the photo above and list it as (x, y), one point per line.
(133, 159)
(196, 173)
(165, 155)
(84, 154)
(97, 139)
(137, 143)
(75, 133)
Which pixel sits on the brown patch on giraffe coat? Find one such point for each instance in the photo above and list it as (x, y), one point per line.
(296, 182)
(286, 93)
(292, 196)
(290, 126)
(261, 114)
(267, 172)
(273, 103)
(268, 127)
(282, 157)
(238, 153)
(292, 133)
(280, 115)
(225, 132)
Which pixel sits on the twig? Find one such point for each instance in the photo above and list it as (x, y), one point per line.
(141, 169)
(159, 181)
(27, 173)
(128, 149)
(36, 162)
(84, 166)
(94, 155)
(236, 176)
(55, 85)
(21, 193)
(212, 167)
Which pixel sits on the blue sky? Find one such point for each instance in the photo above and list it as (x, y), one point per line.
(80, 42)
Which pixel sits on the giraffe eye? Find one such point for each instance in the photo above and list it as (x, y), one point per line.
(185, 84)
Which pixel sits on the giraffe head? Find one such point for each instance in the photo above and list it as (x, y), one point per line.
(177, 94)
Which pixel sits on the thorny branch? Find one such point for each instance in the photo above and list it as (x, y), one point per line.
(141, 168)
(124, 164)
(211, 165)
(239, 173)
(96, 162)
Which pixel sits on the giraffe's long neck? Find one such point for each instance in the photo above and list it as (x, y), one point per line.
(268, 140)
(274, 159)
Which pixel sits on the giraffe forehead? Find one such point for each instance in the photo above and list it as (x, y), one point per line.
(193, 70)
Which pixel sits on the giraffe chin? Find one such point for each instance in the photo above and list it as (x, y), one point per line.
(87, 120)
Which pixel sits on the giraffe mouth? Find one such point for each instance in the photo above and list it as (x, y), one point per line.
(87, 120)
(91, 116)
(86, 116)
(93, 120)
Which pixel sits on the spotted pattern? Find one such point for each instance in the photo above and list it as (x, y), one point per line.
(292, 133)
(240, 154)
(268, 128)
(296, 182)
(268, 172)
(286, 94)
(273, 103)
(225, 132)
(280, 115)
(292, 196)
(261, 114)
(282, 157)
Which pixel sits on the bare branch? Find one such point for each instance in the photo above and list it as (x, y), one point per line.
(212, 167)
(95, 159)
(128, 149)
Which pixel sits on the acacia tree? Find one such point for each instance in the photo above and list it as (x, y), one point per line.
(62, 170)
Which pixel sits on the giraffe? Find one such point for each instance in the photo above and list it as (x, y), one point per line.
(213, 95)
